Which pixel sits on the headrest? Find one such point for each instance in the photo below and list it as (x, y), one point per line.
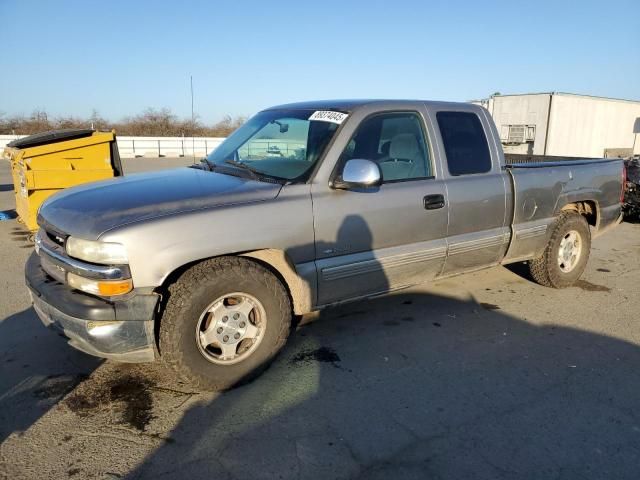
(404, 145)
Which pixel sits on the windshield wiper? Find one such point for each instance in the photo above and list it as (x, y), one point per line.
(255, 174)
(209, 165)
(244, 166)
(212, 166)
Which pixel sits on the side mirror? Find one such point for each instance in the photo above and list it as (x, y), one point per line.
(358, 173)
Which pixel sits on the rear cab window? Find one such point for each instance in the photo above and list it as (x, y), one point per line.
(465, 143)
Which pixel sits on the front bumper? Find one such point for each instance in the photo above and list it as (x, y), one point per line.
(121, 330)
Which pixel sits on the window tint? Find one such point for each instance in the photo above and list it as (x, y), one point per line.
(396, 142)
(464, 143)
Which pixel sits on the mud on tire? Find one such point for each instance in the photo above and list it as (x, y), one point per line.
(191, 295)
(547, 269)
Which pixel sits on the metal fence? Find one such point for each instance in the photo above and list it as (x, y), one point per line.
(276, 148)
(131, 147)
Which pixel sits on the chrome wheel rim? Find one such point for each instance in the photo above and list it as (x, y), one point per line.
(570, 251)
(231, 328)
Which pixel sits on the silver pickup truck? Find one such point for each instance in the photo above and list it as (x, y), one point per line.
(306, 205)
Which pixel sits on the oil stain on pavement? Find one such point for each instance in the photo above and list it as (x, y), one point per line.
(322, 354)
(591, 287)
(129, 396)
(489, 306)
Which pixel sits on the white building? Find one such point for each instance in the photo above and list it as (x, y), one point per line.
(565, 124)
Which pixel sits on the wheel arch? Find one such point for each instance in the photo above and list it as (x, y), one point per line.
(277, 262)
(587, 208)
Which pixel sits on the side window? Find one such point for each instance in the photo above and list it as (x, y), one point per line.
(465, 143)
(395, 141)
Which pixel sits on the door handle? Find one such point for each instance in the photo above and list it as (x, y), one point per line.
(433, 202)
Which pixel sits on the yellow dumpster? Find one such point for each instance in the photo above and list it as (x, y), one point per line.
(45, 163)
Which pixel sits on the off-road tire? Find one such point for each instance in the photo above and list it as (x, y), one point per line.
(545, 269)
(190, 295)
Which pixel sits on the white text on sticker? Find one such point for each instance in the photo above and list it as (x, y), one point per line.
(329, 116)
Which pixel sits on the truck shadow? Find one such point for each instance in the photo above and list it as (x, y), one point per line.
(521, 269)
(420, 385)
(37, 368)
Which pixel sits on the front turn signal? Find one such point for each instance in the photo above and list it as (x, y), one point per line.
(113, 288)
(104, 288)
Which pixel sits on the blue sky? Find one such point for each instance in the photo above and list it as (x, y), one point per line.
(119, 57)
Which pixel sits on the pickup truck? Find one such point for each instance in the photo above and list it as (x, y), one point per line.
(206, 268)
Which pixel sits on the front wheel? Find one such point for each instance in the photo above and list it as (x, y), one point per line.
(565, 257)
(224, 321)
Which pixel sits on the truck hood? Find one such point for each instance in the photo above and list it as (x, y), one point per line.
(88, 211)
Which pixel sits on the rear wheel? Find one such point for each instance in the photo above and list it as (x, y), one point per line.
(565, 257)
(224, 321)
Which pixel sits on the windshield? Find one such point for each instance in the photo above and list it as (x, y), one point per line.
(283, 144)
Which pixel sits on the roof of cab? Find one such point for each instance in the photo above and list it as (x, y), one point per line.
(350, 105)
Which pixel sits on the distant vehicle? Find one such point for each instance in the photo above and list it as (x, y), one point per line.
(205, 267)
(274, 151)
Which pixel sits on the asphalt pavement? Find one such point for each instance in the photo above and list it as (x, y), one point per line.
(482, 376)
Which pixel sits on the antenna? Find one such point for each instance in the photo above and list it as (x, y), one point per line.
(193, 124)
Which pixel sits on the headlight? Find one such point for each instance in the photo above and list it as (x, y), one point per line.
(96, 252)
(104, 288)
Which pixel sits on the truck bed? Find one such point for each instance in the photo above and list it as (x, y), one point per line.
(542, 185)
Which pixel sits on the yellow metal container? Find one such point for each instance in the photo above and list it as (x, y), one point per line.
(44, 164)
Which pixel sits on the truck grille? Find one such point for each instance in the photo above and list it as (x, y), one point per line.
(55, 238)
(53, 270)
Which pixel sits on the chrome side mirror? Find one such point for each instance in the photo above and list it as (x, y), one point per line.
(358, 173)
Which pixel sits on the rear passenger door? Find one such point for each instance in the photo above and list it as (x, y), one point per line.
(476, 187)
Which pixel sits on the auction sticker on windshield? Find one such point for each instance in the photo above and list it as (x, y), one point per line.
(329, 116)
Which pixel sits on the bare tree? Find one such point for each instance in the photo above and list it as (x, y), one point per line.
(151, 122)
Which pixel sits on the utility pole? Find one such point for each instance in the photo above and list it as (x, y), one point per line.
(193, 124)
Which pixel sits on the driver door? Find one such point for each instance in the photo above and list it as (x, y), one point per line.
(374, 240)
